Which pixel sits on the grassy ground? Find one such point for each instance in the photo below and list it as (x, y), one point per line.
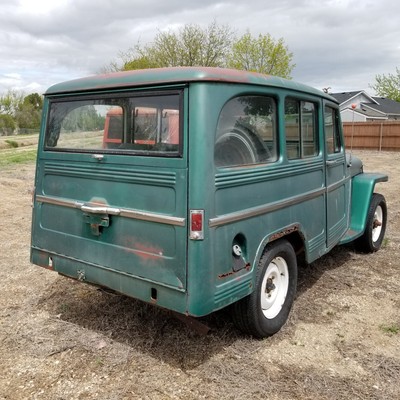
(61, 339)
(17, 149)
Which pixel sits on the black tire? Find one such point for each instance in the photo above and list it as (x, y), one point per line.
(266, 309)
(375, 227)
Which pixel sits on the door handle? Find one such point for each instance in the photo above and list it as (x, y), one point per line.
(331, 163)
(98, 217)
(100, 210)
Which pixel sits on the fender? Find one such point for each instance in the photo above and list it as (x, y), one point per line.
(289, 232)
(362, 188)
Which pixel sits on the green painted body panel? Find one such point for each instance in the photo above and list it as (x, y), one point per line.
(123, 221)
(361, 192)
(129, 255)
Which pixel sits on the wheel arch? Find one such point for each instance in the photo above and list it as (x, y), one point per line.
(292, 234)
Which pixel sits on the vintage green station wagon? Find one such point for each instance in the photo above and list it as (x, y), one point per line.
(197, 188)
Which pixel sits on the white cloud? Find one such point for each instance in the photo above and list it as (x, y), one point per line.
(337, 43)
(10, 81)
(38, 7)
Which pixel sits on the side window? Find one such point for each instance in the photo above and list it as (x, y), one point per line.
(332, 132)
(301, 129)
(246, 132)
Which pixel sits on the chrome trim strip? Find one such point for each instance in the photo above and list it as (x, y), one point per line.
(264, 209)
(123, 212)
(146, 216)
(337, 184)
(58, 202)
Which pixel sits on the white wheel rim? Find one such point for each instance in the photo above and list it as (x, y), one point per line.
(377, 224)
(274, 287)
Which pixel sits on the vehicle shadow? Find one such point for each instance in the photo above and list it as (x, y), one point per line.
(157, 332)
(140, 326)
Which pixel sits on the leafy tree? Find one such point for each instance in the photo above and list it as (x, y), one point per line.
(29, 112)
(215, 46)
(19, 111)
(9, 105)
(10, 102)
(190, 46)
(261, 54)
(388, 85)
(131, 59)
(7, 124)
(28, 117)
(141, 62)
(35, 100)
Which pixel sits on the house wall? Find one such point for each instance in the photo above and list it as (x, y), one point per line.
(348, 115)
(357, 100)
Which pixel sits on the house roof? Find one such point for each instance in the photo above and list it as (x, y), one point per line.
(346, 96)
(388, 106)
(378, 106)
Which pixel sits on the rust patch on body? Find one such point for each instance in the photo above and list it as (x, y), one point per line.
(145, 251)
(285, 232)
(230, 273)
(154, 76)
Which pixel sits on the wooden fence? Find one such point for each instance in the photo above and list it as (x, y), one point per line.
(375, 135)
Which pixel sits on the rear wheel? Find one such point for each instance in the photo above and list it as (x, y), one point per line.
(266, 310)
(375, 227)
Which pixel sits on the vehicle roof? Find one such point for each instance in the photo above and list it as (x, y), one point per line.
(175, 75)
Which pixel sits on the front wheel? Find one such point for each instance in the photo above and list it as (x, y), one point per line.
(375, 226)
(266, 310)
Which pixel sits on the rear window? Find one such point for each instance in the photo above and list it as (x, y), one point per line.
(146, 124)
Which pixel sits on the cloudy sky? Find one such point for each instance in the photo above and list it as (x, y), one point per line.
(340, 44)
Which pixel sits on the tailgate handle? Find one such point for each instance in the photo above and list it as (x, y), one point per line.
(100, 210)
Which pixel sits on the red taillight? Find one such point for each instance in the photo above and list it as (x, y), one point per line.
(196, 224)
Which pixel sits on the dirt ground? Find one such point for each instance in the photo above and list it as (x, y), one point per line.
(61, 339)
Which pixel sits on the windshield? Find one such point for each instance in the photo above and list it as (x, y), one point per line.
(144, 124)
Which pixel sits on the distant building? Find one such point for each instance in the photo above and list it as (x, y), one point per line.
(367, 108)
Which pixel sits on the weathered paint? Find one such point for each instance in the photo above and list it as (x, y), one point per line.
(145, 249)
(177, 75)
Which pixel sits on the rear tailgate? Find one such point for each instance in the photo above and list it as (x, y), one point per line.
(120, 211)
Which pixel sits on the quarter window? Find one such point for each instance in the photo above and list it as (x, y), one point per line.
(300, 127)
(332, 132)
(246, 132)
